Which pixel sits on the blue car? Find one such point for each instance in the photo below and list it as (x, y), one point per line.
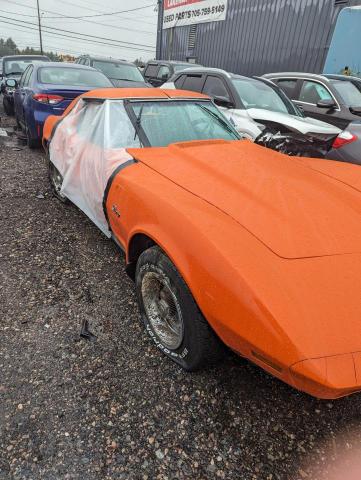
(47, 89)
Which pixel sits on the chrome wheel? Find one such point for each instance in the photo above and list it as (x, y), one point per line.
(57, 181)
(162, 309)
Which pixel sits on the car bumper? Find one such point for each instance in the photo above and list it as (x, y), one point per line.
(328, 377)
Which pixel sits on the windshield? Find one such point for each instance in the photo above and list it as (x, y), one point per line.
(350, 94)
(70, 76)
(166, 122)
(257, 94)
(16, 66)
(119, 71)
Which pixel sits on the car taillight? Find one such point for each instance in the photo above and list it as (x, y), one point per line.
(343, 139)
(50, 99)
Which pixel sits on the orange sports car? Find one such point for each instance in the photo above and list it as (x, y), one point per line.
(228, 242)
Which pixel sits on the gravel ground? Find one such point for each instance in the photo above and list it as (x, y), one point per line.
(115, 408)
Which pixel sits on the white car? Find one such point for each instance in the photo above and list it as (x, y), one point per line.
(253, 104)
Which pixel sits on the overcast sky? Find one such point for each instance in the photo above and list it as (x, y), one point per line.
(136, 27)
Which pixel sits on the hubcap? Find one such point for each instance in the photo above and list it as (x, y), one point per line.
(162, 309)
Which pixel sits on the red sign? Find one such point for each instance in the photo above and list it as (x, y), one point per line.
(178, 3)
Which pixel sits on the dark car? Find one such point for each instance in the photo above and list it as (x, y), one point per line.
(157, 72)
(327, 98)
(120, 72)
(13, 67)
(47, 89)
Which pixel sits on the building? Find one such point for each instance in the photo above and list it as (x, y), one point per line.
(252, 37)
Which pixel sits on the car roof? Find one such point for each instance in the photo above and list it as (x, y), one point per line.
(118, 93)
(334, 76)
(64, 64)
(296, 75)
(213, 70)
(20, 57)
(170, 62)
(107, 59)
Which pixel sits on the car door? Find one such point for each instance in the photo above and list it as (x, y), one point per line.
(310, 94)
(18, 95)
(150, 74)
(23, 93)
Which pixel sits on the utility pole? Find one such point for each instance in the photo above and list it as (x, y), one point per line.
(41, 40)
(160, 30)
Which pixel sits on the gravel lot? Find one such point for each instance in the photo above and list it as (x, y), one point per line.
(115, 408)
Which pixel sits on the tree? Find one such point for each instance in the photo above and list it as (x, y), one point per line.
(9, 47)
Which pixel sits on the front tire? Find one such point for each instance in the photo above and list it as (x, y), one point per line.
(171, 315)
(56, 182)
(32, 143)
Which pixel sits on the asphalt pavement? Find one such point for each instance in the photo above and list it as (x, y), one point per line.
(113, 407)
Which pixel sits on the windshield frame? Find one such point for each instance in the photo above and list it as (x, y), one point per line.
(144, 140)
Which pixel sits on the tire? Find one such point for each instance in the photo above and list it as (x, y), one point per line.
(32, 143)
(186, 338)
(7, 108)
(56, 180)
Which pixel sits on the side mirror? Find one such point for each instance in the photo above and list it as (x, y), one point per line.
(223, 102)
(11, 82)
(326, 103)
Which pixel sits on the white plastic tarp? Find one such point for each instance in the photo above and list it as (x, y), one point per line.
(87, 147)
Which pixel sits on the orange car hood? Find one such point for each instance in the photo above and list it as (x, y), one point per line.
(293, 207)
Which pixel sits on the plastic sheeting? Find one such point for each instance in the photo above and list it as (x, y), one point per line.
(87, 146)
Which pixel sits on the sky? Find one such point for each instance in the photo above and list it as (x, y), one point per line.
(128, 35)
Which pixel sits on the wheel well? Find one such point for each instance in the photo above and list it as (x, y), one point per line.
(137, 245)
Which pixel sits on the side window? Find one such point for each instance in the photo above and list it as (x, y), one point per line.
(151, 70)
(86, 62)
(193, 82)
(23, 77)
(163, 72)
(28, 75)
(214, 87)
(313, 92)
(179, 82)
(288, 86)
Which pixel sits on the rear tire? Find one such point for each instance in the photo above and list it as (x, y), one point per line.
(32, 143)
(171, 315)
(7, 108)
(56, 181)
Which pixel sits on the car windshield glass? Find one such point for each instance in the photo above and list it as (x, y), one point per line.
(166, 122)
(16, 66)
(119, 71)
(256, 94)
(348, 92)
(72, 77)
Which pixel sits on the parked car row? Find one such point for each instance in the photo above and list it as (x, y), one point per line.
(285, 112)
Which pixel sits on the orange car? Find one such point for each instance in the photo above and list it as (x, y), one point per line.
(227, 242)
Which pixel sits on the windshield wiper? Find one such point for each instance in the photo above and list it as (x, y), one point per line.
(219, 119)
